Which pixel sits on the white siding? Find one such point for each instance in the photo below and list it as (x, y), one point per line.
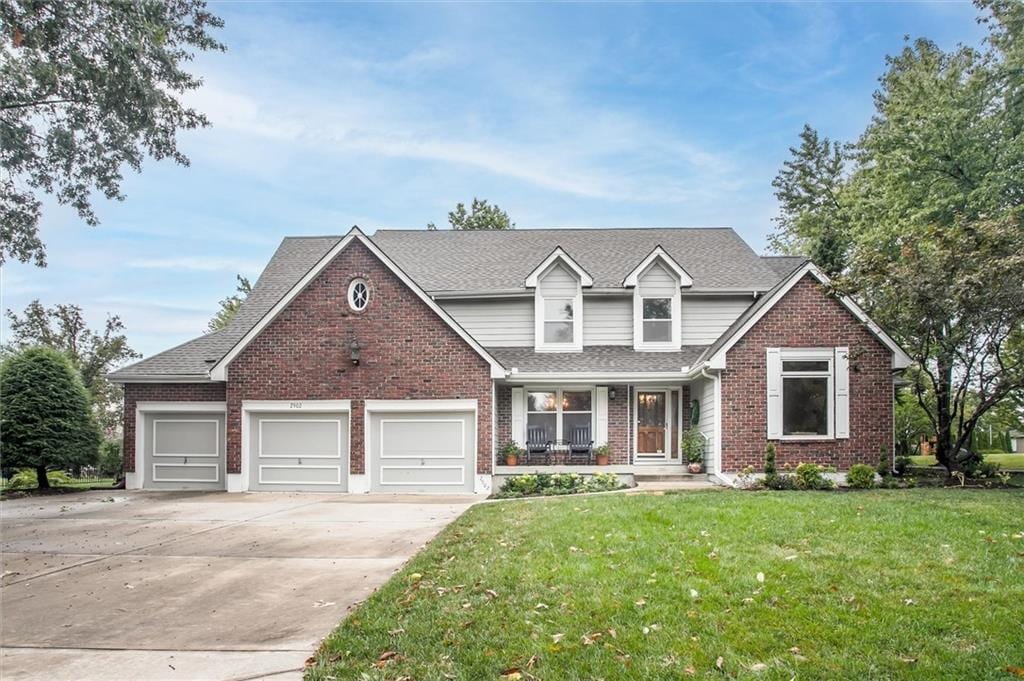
(705, 318)
(704, 391)
(558, 282)
(495, 322)
(608, 320)
(657, 281)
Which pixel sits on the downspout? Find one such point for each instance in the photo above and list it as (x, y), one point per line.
(717, 458)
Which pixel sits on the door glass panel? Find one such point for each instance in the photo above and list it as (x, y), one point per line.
(650, 421)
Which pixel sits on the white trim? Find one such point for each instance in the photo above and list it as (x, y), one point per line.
(358, 483)
(259, 443)
(658, 253)
(462, 438)
(356, 281)
(559, 412)
(533, 277)
(216, 437)
(260, 480)
(540, 318)
(461, 481)
(420, 405)
(900, 359)
(599, 377)
(809, 355)
(181, 406)
(132, 480)
(219, 370)
(214, 466)
(297, 405)
(136, 479)
(675, 323)
(235, 483)
(652, 457)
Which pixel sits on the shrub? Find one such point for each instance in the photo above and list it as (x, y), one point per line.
(812, 476)
(111, 461)
(860, 476)
(983, 469)
(26, 479)
(903, 464)
(602, 482)
(884, 467)
(692, 446)
(746, 479)
(556, 484)
(780, 481)
(769, 459)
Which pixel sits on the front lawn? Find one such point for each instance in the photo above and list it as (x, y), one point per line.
(923, 583)
(1009, 462)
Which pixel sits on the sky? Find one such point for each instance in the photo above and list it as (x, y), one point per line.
(327, 115)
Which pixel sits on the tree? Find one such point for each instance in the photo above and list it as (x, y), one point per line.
(480, 216)
(229, 306)
(88, 87)
(812, 220)
(93, 354)
(45, 421)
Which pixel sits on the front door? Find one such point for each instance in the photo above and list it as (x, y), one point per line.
(652, 425)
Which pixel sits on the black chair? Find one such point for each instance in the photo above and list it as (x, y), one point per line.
(538, 448)
(581, 447)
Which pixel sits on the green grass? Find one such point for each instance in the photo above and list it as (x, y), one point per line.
(923, 583)
(1007, 461)
(75, 484)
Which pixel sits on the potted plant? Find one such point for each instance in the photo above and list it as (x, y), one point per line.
(511, 451)
(602, 453)
(692, 449)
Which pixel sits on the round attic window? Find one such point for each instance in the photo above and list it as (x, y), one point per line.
(358, 295)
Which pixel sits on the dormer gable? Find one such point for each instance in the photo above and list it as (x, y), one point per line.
(659, 254)
(657, 305)
(558, 303)
(559, 256)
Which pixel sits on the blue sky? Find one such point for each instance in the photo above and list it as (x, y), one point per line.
(327, 115)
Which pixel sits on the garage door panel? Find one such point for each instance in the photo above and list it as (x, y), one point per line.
(423, 475)
(306, 438)
(186, 472)
(277, 474)
(426, 438)
(186, 437)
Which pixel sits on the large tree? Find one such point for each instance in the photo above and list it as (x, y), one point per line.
(92, 353)
(45, 421)
(229, 306)
(88, 87)
(934, 209)
(480, 216)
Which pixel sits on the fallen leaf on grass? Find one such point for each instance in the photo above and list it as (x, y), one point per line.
(396, 632)
(512, 673)
(590, 639)
(540, 606)
(694, 594)
(1016, 671)
(555, 638)
(386, 657)
(640, 603)
(719, 662)
(690, 671)
(491, 593)
(758, 667)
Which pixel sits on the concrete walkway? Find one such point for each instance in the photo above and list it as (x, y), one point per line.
(180, 585)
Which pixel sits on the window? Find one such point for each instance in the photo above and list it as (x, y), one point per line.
(553, 415)
(657, 320)
(358, 295)
(806, 397)
(558, 320)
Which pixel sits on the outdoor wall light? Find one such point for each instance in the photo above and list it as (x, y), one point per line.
(355, 348)
(611, 393)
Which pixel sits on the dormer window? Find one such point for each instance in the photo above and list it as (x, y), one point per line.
(559, 315)
(657, 306)
(558, 310)
(657, 320)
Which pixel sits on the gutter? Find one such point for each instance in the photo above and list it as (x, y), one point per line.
(158, 378)
(717, 473)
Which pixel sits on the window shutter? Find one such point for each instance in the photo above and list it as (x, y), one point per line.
(519, 416)
(601, 416)
(774, 380)
(842, 379)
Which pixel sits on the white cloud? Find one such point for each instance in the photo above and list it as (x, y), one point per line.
(196, 263)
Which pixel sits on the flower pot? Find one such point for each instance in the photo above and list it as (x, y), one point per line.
(511, 460)
(695, 468)
(602, 459)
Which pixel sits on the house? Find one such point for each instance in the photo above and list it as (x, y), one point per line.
(403, 361)
(1016, 442)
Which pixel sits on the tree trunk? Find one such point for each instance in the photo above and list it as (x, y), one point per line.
(944, 453)
(44, 482)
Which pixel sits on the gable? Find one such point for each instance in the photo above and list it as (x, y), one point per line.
(658, 281)
(558, 281)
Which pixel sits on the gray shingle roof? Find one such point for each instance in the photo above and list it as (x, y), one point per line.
(610, 358)
(782, 265)
(472, 261)
(489, 260)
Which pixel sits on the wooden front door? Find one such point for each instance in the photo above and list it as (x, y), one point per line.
(652, 425)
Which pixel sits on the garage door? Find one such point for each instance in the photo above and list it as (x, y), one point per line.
(304, 452)
(183, 450)
(422, 452)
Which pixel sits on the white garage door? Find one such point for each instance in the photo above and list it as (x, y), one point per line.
(305, 452)
(422, 452)
(183, 450)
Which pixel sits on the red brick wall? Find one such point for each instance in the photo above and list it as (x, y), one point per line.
(806, 317)
(161, 392)
(407, 352)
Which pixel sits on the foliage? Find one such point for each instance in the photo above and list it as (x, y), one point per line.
(692, 446)
(912, 424)
(853, 589)
(812, 476)
(860, 476)
(45, 421)
(603, 449)
(26, 478)
(555, 484)
(901, 466)
(481, 216)
(779, 481)
(93, 353)
(88, 87)
(510, 448)
(812, 218)
(769, 459)
(885, 461)
(932, 207)
(111, 460)
(230, 306)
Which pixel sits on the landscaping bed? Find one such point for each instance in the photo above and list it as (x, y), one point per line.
(923, 583)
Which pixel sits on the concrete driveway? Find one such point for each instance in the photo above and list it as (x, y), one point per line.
(183, 585)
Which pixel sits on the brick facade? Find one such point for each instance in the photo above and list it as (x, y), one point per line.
(408, 352)
(807, 317)
(161, 392)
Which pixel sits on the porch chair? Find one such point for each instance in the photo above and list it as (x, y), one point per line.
(581, 447)
(538, 447)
